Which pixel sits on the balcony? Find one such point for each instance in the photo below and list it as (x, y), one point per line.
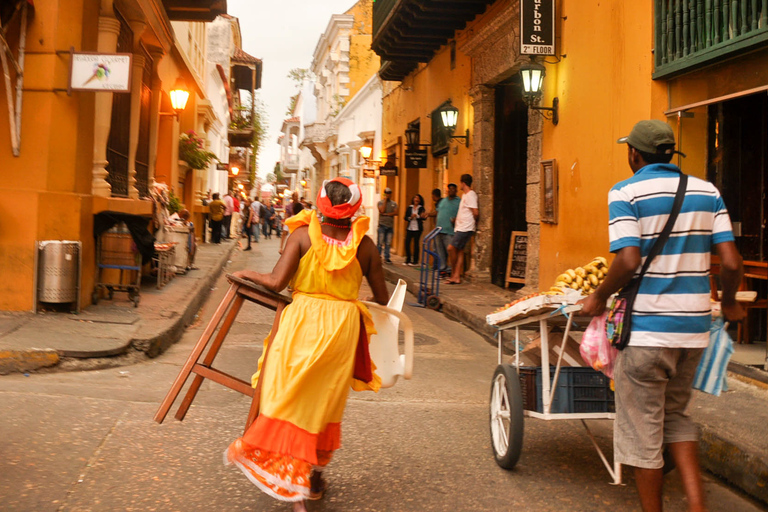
(241, 128)
(194, 10)
(291, 163)
(406, 32)
(691, 35)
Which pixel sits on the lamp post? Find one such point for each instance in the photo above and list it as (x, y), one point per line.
(532, 74)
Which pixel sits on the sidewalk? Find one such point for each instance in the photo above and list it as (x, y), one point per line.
(733, 441)
(112, 332)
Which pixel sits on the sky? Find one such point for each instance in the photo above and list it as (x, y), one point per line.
(283, 34)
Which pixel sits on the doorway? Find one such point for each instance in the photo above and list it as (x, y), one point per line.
(510, 174)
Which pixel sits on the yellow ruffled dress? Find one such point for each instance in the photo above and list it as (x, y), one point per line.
(310, 367)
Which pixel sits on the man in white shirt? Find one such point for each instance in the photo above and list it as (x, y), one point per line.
(464, 228)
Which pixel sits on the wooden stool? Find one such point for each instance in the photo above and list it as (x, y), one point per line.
(239, 291)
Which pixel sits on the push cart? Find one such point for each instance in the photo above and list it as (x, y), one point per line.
(507, 407)
(115, 250)
(429, 276)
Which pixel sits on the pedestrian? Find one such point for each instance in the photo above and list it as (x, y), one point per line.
(267, 212)
(236, 215)
(671, 315)
(464, 227)
(289, 211)
(216, 210)
(387, 214)
(229, 207)
(255, 223)
(318, 351)
(447, 210)
(414, 220)
(185, 217)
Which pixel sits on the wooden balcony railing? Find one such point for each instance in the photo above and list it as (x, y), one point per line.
(694, 33)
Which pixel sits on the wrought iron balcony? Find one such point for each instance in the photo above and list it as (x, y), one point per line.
(691, 34)
(407, 32)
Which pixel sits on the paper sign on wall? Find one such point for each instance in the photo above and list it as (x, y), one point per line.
(100, 72)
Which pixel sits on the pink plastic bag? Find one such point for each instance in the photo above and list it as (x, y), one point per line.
(596, 349)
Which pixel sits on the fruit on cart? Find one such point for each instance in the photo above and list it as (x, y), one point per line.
(586, 279)
(510, 304)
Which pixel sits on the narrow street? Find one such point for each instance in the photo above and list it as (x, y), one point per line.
(85, 441)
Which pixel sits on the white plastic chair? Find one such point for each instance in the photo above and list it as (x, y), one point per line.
(385, 353)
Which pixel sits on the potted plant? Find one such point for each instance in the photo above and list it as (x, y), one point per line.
(191, 150)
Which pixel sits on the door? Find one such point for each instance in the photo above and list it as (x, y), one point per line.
(510, 174)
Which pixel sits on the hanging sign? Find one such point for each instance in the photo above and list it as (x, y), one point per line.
(416, 159)
(388, 169)
(100, 72)
(537, 27)
(222, 167)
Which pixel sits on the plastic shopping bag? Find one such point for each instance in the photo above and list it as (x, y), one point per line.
(596, 348)
(713, 367)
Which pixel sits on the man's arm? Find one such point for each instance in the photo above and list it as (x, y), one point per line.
(731, 272)
(475, 212)
(621, 271)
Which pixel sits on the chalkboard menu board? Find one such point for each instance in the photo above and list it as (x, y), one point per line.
(518, 257)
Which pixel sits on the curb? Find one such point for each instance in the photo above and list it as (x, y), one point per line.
(20, 361)
(733, 464)
(158, 343)
(721, 457)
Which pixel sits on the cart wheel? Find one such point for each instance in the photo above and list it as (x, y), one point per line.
(136, 301)
(95, 298)
(506, 416)
(110, 293)
(134, 297)
(433, 302)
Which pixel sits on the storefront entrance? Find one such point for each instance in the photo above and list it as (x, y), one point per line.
(510, 172)
(738, 166)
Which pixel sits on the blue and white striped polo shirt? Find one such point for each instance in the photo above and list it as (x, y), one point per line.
(672, 308)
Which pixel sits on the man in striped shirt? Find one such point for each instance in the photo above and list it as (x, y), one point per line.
(671, 315)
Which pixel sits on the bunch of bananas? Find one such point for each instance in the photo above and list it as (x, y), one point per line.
(585, 279)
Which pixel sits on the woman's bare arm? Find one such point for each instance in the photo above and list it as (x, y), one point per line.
(296, 246)
(370, 263)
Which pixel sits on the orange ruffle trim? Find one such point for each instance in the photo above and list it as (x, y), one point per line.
(280, 436)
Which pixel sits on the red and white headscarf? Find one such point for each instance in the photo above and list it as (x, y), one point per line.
(343, 210)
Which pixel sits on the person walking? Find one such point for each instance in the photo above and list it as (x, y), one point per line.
(216, 210)
(386, 230)
(267, 212)
(432, 214)
(414, 218)
(247, 214)
(319, 350)
(447, 210)
(255, 223)
(671, 316)
(229, 207)
(236, 217)
(464, 228)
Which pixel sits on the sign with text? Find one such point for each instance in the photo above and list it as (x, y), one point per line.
(109, 72)
(416, 159)
(537, 27)
(518, 257)
(388, 169)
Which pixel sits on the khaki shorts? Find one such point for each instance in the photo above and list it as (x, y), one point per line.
(653, 387)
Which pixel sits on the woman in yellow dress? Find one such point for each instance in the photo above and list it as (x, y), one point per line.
(319, 351)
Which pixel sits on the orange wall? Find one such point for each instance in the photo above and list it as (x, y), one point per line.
(423, 91)
(604, 86)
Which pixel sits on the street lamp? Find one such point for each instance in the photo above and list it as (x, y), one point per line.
(235, 171)
(532, 74)
(449, 115)
(365, 152)
(303, 183)
(179, 96)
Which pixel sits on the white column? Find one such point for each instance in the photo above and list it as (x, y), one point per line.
(154, 113)
(109, 29)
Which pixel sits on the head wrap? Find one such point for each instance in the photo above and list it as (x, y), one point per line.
(343, 210)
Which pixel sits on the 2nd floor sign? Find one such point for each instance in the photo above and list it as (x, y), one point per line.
(537, 27)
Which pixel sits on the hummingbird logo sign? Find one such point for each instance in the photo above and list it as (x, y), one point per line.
(101, 72)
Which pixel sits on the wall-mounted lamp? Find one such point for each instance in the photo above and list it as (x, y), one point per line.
(303, 183)
(179, 96)
(449, 115)
(412, 138)
(234, 170)
(365, 152)
(533, 75)
(240, 186)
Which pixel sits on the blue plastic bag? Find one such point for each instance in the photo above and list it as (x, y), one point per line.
(713, 367)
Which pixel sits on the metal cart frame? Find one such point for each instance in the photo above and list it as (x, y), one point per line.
(501, 416)
(429, 274)
(108, 258)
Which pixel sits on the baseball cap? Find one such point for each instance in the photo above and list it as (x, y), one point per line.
(648, 135)
(387, 190)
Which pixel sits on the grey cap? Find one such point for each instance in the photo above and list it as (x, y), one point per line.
(648, 135)
(387, 190)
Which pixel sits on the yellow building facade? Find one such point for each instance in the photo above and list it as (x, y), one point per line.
(65, 169)
(616, 63)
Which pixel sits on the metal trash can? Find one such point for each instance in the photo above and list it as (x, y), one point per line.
(58, 272)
